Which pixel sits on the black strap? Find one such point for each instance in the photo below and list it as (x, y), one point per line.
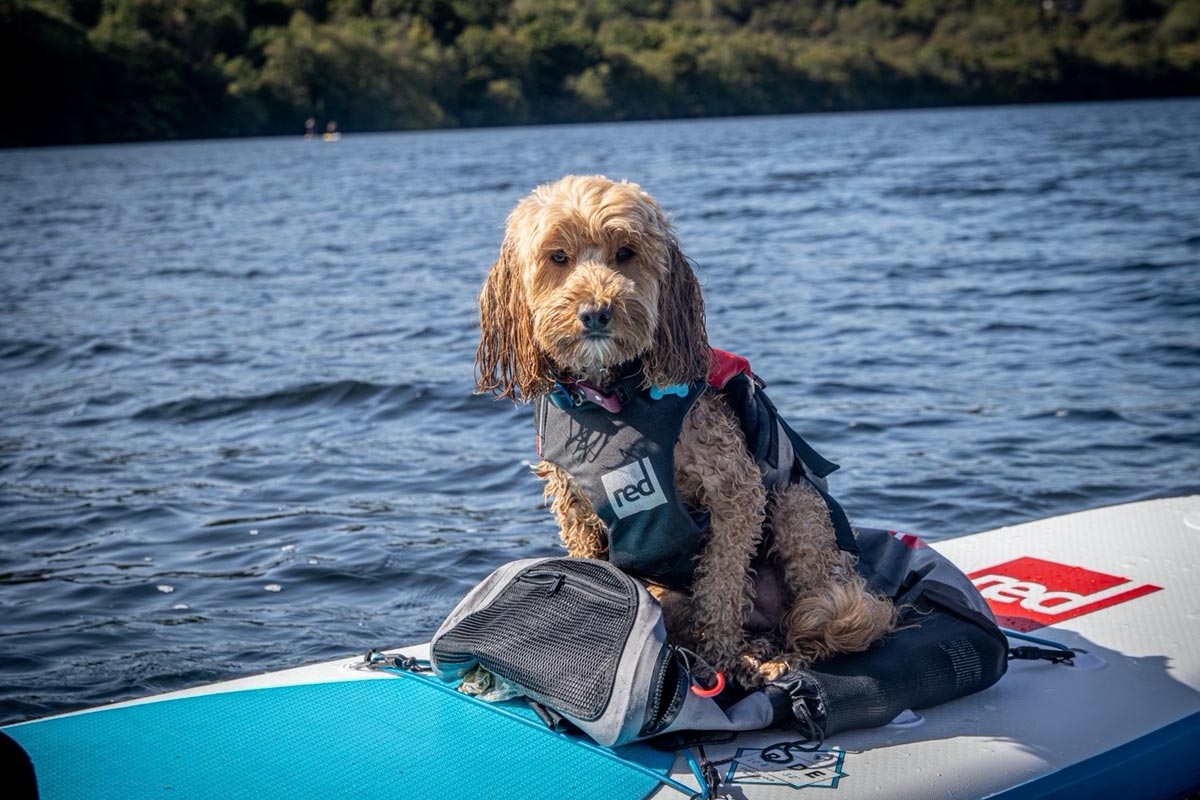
(804, 699)
(377, 659)
(551, 718)
(710, 776)
(1030, 653)
(816, 462)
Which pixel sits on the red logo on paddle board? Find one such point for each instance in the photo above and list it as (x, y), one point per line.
(1028, 593)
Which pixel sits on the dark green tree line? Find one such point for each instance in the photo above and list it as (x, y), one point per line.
(118, 70)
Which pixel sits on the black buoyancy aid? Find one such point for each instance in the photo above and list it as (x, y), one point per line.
(622, 455)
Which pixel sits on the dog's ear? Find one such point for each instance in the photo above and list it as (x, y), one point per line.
(681, 353)
(507, 362)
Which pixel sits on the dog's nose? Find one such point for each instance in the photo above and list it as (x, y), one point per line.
(595, 318)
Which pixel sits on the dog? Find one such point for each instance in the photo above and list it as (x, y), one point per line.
(591, 297)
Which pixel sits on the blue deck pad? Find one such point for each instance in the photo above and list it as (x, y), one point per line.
(408, 737)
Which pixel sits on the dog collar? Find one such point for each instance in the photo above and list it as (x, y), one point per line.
(571, 392)
(574, 393)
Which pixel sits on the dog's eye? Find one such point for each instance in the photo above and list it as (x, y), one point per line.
(558, 257)
(624, 254)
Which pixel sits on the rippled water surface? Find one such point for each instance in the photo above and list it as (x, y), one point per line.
(237, 429)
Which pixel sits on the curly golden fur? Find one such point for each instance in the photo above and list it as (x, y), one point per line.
(586, 248)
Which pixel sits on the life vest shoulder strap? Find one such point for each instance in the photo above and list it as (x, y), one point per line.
(771, 441)
(724, 365)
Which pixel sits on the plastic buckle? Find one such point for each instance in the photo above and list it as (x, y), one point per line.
(564, 398)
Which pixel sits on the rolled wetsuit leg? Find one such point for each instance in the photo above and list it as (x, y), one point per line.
(937, 656)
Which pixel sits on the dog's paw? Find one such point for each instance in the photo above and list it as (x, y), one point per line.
(778, 667)
(747, 668)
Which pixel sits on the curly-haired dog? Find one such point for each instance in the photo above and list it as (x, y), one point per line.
(593, 310)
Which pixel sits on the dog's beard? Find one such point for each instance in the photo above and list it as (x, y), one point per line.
(595, 352)
(590, 355)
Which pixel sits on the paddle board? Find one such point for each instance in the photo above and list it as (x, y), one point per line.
(1120, 583)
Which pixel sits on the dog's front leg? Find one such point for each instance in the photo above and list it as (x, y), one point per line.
(713, 470)
(582, 531)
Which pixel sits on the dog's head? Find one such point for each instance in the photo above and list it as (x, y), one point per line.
(590, 276)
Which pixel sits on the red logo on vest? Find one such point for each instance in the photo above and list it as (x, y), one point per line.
(1028, 593)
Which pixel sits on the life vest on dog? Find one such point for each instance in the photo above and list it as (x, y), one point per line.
(619, 445)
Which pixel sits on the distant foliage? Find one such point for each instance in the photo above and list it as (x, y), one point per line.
(114, 70)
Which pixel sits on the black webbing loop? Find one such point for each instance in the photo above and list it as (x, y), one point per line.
(709, 777)
(374, 659)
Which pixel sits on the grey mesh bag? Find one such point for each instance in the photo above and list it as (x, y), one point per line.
(584, 639)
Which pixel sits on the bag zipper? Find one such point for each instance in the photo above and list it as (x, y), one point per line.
(553, 580)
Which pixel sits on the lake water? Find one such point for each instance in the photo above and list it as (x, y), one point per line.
(237, 429)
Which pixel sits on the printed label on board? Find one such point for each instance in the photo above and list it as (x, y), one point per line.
(1028, 593)
(788, 764)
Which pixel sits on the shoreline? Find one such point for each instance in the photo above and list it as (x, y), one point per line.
(354, 134)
